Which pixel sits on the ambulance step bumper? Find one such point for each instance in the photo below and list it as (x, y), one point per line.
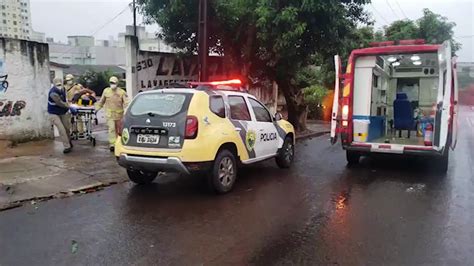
(170, 164)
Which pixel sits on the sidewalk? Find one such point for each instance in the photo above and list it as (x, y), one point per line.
(316, 128)
(39, 170)
(35, 171)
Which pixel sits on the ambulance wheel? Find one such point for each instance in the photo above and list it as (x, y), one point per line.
(223, 173)
(352, 157)
(442, 162)
(141, 177)
(286, 154)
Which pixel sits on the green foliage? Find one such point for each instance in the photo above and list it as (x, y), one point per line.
(313, 97)
(435, 28)
(431, 27)
(97, 81)
(401, 30)
(314, 94)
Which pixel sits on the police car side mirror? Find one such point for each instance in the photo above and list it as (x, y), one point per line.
(278, 117)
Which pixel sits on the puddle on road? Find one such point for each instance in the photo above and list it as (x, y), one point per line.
(416, 188)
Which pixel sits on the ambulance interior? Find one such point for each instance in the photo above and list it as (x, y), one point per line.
(395, 98)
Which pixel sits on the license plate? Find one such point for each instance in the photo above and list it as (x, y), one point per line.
(148, 139)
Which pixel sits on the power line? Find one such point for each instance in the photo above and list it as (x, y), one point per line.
(378, 13)
(111, 20)
(100, 28)
(464, 36)
(391, 8)
(399, 7)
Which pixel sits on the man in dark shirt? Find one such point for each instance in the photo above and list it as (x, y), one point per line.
(58, 108)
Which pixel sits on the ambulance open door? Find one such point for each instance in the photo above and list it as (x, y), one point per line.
(335, 105)
(443, 104)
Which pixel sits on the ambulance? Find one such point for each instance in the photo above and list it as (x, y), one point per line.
(397, 97)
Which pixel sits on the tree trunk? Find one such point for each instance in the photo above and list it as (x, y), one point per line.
(297, 109)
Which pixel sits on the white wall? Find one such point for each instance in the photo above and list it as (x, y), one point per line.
(58, 72)
(23, 113)
(363, 85)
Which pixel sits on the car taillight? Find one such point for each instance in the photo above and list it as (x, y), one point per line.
(191, 127)
(345, 112)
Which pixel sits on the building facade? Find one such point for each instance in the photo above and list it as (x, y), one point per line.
(15, 21)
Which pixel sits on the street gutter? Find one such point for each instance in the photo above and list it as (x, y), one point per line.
(63, 194)
(311, 135)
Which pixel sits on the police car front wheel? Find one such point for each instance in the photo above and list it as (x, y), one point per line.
(141, 177)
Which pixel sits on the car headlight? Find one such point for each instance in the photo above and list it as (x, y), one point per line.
(125, 136)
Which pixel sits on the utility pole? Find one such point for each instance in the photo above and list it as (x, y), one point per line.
(134, 19)
(203, 52)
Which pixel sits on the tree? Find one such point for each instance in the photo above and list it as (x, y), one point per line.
(268, 39)
(435, 28)
(402, 30)
(97, 81)
(431, 27)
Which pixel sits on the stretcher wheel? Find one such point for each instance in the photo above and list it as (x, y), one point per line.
(93, 142)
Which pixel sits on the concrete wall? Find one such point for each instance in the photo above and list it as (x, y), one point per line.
(24, 84)
(146, 70)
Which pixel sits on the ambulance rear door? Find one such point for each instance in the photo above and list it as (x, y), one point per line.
(444, 96)
(335, 106)
(455, 106)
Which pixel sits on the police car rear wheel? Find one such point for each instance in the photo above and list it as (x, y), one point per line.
(286, 154)
(223, 173)
(141, 177)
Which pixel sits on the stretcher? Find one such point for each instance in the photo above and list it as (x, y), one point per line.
(86, 117)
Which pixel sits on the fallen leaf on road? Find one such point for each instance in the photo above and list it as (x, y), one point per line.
(74, 246)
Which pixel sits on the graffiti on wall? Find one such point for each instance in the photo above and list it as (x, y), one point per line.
(11, 108)
(3, 77)
(3, 83)
(162, 69)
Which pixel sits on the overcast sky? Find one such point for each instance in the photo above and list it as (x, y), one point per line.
(60, 18)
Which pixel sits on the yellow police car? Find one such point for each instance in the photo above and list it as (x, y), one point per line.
(212, 127)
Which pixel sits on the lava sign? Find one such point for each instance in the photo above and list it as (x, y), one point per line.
(155, 69)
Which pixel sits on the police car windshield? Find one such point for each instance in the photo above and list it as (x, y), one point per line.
(161, 104)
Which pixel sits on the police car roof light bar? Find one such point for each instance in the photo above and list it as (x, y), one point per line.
(213, 85)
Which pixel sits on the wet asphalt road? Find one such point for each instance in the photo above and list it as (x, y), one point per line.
(386, 211)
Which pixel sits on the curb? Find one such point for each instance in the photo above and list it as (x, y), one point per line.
(311, 135)
(62, 194)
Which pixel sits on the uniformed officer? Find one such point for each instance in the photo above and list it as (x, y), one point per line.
(114, 100)
(73, 88)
